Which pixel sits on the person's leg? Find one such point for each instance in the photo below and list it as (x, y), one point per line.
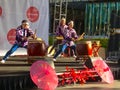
(60, 50)
(25, 47)
(74, 50)
(12, 50)
(54, 45)
(64, 47)
(57, 53)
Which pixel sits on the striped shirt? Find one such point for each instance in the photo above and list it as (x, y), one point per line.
(60, 30)
(20, 33)
(69, 35)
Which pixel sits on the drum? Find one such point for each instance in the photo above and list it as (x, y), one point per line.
(84, 48)
(36, 48)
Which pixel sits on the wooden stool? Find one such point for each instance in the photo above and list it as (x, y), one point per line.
(68, 52)
(95, 48)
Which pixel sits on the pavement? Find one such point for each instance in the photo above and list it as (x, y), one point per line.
(92, 86)
(88, 86)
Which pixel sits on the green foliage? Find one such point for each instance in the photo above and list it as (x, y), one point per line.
(51, 40)
(103, 42)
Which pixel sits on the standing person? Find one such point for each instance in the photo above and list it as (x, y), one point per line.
(22, 33)
(70, 36)
(59, 33)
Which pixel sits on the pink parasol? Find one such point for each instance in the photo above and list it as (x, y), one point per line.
(103, 70)
(43, 75)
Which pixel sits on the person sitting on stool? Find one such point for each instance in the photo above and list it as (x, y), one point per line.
(70, 36)
(59, 33)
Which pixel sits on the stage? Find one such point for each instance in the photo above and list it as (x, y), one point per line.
(14, 74)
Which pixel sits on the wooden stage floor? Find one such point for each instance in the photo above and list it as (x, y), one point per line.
(20, 64)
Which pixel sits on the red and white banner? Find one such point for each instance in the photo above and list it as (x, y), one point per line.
(12, 12)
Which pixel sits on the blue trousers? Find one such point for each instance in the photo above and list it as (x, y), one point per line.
(12, 50)
(62, 49)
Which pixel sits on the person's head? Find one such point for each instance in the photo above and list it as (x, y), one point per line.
(63, 21)
(71, 24)
(25, 24)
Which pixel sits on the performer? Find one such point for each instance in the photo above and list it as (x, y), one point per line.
(23, 32)
(70, 36)
(59, 33)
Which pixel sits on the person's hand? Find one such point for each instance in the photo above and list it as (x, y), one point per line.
(34, 36)
(24, 38)
(73, 39)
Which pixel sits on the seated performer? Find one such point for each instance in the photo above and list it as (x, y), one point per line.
(23, 32)
(70, 36)
(59, 33)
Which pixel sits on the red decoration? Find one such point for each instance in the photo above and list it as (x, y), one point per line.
(0, 11)
(11, 36)
(32, 14)
(76, 76)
